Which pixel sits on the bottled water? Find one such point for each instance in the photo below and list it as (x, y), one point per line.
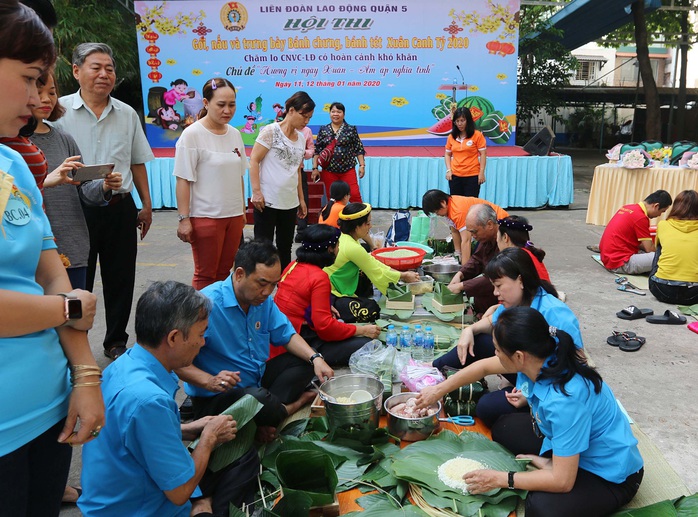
(428, 350)
(406, 339)
(391, 337)
(418, 343)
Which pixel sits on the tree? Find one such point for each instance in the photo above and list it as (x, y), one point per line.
(105, 21)
(545, 66)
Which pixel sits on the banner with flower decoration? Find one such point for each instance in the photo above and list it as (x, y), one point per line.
(400, 68)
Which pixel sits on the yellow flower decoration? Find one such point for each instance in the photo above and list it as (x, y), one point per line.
(399, 102)
(364, 107)
(196, 71)
(326, 108)
(473, 88)
(441, 96)
(501, 77)
(171, 62)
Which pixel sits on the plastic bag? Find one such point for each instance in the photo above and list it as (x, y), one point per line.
(378, 238)
(374, 358)
(421, 227)
(417, 376)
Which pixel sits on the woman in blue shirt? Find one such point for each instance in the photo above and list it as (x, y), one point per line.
(589, 463)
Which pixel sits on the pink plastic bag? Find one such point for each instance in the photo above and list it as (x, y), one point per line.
(417, 376)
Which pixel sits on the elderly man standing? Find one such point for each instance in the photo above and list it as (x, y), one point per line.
(109, 131)
(244, 322)
(481, 222)
(138, 465)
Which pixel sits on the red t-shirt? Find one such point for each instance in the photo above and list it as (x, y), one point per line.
(32, 155)
(622, 236)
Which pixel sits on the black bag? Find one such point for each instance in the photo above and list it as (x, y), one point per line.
(354, 309)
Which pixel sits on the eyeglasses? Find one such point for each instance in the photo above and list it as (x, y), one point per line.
(536, 429)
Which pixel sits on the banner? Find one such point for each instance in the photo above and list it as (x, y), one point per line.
(399, 68)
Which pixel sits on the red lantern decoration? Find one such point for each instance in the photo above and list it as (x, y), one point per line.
(506, 49)
(155, 76)
(151, 36)
(152, 50)
(493, 46)
(153, 62)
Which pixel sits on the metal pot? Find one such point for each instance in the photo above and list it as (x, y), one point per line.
(411, 429)
(441, 272)
(363, 415)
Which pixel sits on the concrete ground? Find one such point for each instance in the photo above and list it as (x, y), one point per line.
(653, 384)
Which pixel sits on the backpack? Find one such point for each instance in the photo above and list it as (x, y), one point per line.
(681, 147)
(400, 229)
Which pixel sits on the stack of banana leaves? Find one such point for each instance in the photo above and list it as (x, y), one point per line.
(367, 460)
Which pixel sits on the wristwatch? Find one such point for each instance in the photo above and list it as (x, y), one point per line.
(73, 306)
(511, 480)
(315, 356)
(181, 217)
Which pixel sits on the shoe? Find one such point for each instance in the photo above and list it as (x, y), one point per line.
(73, 503)
(114, 351)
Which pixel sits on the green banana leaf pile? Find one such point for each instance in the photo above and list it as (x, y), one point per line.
(685, 506)
(368, 461)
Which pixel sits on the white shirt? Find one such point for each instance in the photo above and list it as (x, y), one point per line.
(117, 137)
(278, 171)
(215, 165)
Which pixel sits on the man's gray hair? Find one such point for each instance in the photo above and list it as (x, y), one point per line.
(168, 306)
(85, 49)
(483, 213)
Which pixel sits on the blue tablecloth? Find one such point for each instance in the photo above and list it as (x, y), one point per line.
(513, 181)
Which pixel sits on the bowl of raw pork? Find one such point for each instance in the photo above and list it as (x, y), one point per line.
(407, 422)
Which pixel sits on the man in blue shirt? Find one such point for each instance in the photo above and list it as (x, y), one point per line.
(243, 323)
(139, 466)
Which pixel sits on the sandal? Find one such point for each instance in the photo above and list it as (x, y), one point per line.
(632, 345)
(633, 313)
(113, 352)
(79, 492)
(668, 318)
(617, 337)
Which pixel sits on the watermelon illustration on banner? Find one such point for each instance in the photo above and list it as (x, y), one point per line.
(479, 108)
(496, 127)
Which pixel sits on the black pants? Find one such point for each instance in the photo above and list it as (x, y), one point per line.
(494, 404)
(281, 222)
(336, 353)
(113, 239)
(286, 376)
(484, 348)
(235, 484)
(272, 413)
(674, 294)
(468, 186)
(33, 477)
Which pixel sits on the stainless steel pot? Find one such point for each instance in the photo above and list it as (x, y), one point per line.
(363, 415)
(411, 429)
(441, 272)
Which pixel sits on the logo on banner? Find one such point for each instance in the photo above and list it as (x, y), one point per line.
(234, 16)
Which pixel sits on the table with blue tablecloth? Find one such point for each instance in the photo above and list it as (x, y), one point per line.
(400, 182)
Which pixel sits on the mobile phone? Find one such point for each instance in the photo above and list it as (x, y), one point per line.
(92, 172)
(316, 180)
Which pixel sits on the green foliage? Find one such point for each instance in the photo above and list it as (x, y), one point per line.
(104, 21)
(545, 65)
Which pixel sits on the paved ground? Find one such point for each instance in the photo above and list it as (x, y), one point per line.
(654, 384)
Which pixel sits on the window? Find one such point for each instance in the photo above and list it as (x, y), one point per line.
(585, 72)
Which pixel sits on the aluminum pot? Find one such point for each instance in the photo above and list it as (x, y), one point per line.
(411, 429)
(363, 415)
(441, 272)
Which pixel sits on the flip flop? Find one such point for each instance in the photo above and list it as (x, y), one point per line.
(73, 503)
(618, 337)
(693, 327)
(669, 318)
(633, 313)
(593, 249)
(632, 345)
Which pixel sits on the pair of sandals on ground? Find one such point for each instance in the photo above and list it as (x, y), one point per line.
(629, 341)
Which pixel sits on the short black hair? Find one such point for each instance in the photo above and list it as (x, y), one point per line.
(258, 251)
(318, 234)
(432, 199)
(660, 196)
(45, 10)
(168, 306)
(23, 36)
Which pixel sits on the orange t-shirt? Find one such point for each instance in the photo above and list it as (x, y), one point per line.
(465, 154)
(458, 207)
(333, 218)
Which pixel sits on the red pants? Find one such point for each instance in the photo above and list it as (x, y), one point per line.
(214, 244)
(328, 178)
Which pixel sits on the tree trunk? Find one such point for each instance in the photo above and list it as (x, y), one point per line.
(681, 99)
(653, 128)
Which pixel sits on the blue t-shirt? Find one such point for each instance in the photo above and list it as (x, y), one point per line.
(139, 454)
(33, 367)
(585, 423)
(555, 312)
(237, 341)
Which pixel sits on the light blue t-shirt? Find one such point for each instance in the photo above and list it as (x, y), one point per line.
(585, 423)
(139, 454)
(236, 341)
(33, 367)
(555, 312)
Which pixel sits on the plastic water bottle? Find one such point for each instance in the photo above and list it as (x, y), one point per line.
(418, 342)
(391, 337)
(665, 159)
(428, 351)
(406, 339)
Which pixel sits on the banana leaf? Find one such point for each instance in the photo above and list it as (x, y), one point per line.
(309, 472)
(427, 303)
(379, 505)
(685, 506)
(399, 314)
(243, 411)
(419, 463)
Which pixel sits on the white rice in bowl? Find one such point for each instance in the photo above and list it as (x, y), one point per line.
(452, 471)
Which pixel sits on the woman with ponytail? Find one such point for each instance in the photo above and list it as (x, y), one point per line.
(588, 462)
(513, 231)
(339, 197)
